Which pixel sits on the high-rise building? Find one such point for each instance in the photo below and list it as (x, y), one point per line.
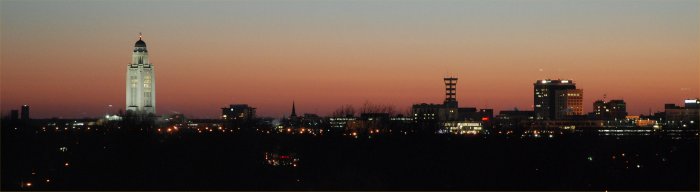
(546, 95)
(568, 102)
(610, 110)
(25, 113)
(140, 81)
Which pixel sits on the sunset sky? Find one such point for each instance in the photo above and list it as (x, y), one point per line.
(68, 58)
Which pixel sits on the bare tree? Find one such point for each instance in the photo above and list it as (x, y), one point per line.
(408, 112)
(344, 111)
(368, 107)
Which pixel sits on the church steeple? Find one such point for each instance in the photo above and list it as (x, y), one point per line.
(294, 110)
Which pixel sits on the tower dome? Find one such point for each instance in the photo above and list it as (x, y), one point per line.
(140, 43)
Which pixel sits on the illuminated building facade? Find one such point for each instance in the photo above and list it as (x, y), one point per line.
(610, 110)
(340, 123)
(426, 112)
(568, 102)
(462, 127)
(238, 112)
(546, 95)
(238, 115)
(140, 82)
(687, 116)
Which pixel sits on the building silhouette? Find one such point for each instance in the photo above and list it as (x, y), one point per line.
(238, 112)
(294, 111)
(293, 121)
(513, 119)
(448, 116)
(238, 116)
(140, 81)
(14, 115)
(24, 116)
(450, 92)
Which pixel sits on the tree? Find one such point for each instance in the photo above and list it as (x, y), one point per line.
(368, 107)
(344, 111)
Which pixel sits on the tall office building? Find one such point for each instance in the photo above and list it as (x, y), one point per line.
(569, 102)
(546, 96)
(25, 113)
(140, 81)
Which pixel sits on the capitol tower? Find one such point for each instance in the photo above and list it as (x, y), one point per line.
(140, 81)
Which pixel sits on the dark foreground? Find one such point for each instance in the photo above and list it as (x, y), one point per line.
(120, 161)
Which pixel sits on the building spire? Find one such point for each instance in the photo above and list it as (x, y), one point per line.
(294, 110)
(140, 35)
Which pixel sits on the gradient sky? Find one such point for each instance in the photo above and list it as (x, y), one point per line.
(68, 58)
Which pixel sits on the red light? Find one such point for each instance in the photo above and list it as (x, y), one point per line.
(484, 118)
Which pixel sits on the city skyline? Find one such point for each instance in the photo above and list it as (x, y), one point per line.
(631, 51)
